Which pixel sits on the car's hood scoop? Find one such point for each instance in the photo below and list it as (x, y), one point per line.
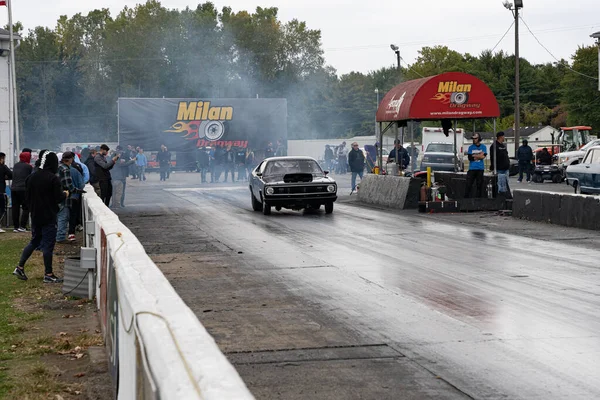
(297, 177)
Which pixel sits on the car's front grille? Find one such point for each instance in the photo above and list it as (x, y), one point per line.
(300, 189)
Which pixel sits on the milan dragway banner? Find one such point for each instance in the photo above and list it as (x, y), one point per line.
(187, 124)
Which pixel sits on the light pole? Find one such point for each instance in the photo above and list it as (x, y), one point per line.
(376, 109)
(396, 50)
(597, 37)
(514, 8)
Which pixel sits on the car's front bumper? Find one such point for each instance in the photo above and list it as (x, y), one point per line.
(439, 167)
(290, 200)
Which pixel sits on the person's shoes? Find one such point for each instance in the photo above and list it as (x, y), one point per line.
(519, 180)
(79, 228)
(352, 191)
(22, 230)
(16, 230)
(52, 279)
(2, 230)
(20, 273)
(71, 237)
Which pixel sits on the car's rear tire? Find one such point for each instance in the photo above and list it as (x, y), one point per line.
(278, 208)
(537, 178)
(329, 207)
(256, 206)
(266, 208)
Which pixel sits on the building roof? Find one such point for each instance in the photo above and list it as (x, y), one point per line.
(5, 34)
(524, 131)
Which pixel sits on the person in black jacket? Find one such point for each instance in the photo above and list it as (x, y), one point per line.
(356, 161)
(524, 156)
(544, 158)
(89, 162)
(21, 172)
(399, 153)
(164, 162)
(500, 160)
(43, 194)
(103, 168)
(5, 173)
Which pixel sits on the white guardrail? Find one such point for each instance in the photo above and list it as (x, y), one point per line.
(157, 347)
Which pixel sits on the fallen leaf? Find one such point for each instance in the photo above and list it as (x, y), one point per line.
(68, 316)
(77, 349)
(79, 375)
(77, 392)
(79, 355)
(59, 397)
(63, 334)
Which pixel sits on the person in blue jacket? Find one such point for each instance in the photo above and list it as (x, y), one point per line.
(477, 153)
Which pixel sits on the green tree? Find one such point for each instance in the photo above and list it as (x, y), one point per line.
(580, 89)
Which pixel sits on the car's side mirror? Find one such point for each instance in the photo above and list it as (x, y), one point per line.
(259, 174)
(325, 172)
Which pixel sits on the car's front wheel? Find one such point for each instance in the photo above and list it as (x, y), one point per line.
(266, 208)
(329, 207)
(256, 206)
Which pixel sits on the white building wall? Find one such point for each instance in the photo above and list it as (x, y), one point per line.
(6, 130)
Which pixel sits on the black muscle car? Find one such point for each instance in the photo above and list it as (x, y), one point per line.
(291, 182)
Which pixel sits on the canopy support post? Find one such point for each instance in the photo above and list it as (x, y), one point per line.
(455, 152)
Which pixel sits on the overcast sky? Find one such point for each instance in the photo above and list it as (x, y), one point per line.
(357, 33)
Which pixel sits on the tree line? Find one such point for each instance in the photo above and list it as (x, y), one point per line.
(69, 77)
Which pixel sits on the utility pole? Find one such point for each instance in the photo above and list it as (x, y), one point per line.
(515, 10)
(597, 37)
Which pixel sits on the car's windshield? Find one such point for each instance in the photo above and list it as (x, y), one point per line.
(439, 148)
(282, 167)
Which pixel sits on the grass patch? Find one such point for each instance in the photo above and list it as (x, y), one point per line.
(22, 343)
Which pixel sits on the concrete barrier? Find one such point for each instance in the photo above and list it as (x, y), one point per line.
(156, 345)
(578, 211)
(390, 191)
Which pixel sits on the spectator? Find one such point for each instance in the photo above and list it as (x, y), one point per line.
(141, 162)
(240, 161)
(328, 157)
(524, 156)
(66, 180)
(280, 150)
(250, 162)
(91, 165)
(476, 153)
(5, 173)
(21, 172)
(342, 157)
(501, 162)
(356, 160)
(269, 151)
(119, 179)
(103, 168)
(164, 160)
(43, 195)
(74, 200)
(544, 158)
(85, 172)
(399, 153)
(203, 163)
(229, 163)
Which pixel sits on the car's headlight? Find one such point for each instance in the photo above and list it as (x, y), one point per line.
(270, 190)
(331, 188)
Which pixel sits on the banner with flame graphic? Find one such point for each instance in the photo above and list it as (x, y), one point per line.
(184, 125)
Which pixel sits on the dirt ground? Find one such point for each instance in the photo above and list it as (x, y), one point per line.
(59, 351)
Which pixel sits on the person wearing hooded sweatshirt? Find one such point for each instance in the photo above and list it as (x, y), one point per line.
(5, 173)
(21, 172)
(43, 194)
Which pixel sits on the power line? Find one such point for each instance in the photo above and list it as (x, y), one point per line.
(503, 36)
(410, 67)
(552, 55)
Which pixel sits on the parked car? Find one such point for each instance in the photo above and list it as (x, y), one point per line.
(291, 182)
(440, 157)
(574, 157)
(585, 176)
